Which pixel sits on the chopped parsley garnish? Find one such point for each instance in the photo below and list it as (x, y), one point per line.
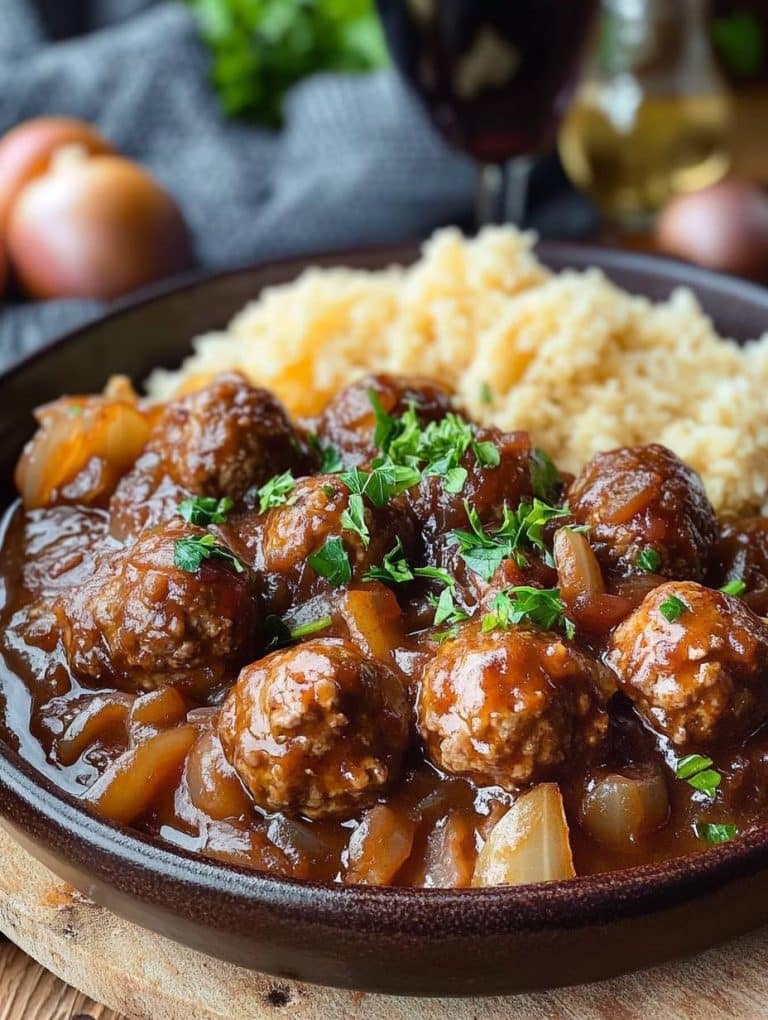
(394, 568)
(697, 771)
(483, 551)
(329, 456)
(75, 410)
(381, 483)
(672, 608)
(540, 606)
(278, 634)
(486, 394)
(189, 553)
(434, 449)
(715, 832)
(205, 510)
(736, 588)
(353, 518)
(332, 562)
(446, 610)
(545, 478)
(276, 492)
(648, 561)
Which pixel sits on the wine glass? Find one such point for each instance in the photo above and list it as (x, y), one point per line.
(496, 77)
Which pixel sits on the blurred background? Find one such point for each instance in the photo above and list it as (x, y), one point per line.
(201, 134)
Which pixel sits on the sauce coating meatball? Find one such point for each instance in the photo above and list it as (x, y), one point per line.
(644, 497)
(348, 422)
(510, 707)
(694, 668)
(486, 488)
(315, 730)
(741, 554)
(144, 622)
(279, 542)
(218, 441)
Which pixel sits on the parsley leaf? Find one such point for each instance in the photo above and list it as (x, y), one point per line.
(486, 394)
(483, 552)
(715, 832)
(189, 553)
(353, 518)
(276, 492)
(205, 510)
(446, 610)
(648, 561)
(455, 480)
(540, 606)
(697, 771)
(394, 568)
(332, 562)
(381, 483)
(278, 634)
(546, 480)
(672, 608)
(736, 588)
(329, 456)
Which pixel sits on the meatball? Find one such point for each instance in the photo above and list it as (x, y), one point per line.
(316, 730)
(741, 554)
(510, 707)
(644, 497)
(693, 661)
(487, 489)
(219, 441)
(142, 621)
(279, 542)
(348, 422)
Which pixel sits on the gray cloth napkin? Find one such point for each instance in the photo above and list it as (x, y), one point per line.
(354, 165)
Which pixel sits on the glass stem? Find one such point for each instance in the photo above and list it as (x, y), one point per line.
(518, 174)
(490, 195)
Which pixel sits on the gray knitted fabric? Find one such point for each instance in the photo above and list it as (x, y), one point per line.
(353, 166)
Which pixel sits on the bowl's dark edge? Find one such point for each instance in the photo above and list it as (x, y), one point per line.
(41, 815)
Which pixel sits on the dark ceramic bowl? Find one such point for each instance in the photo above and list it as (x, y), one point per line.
(408, 941)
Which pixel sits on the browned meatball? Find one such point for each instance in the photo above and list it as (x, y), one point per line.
(279, 542)
(348, 421)
(694, 663)
(141, 621)
(511, 706)
(644, 497)
(741, 554)
(316, 730)
(218, 441)
(487, 489)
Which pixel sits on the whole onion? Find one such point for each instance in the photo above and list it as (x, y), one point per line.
(94, 226)
(26, 152)
(724, 227)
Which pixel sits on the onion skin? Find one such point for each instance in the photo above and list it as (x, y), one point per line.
(95, 227)
(724, 227)
(26, 152)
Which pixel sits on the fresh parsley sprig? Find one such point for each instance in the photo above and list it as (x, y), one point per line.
(672, 608)
(278, 634)
(394, 567)
(697, 771)
(328, 456)
(648, 560)
(542, 607)
(332, 562)
(735, 588)
(483, 551)
(276, 492)
(205, 510)
(189, 553)
(715, 832)
(546, 480)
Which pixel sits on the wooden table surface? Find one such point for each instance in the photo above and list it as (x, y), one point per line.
(30, 992)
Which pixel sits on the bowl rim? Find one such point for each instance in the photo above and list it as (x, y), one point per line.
(38, 807)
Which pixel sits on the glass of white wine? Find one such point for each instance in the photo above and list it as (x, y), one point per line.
(652, 116)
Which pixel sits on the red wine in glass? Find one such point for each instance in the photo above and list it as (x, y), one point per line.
(495, 75)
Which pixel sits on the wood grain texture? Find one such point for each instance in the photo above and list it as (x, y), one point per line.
(145, 977)
(30, 992)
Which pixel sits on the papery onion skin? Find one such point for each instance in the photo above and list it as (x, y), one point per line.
(95, 228)
(26, 152)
